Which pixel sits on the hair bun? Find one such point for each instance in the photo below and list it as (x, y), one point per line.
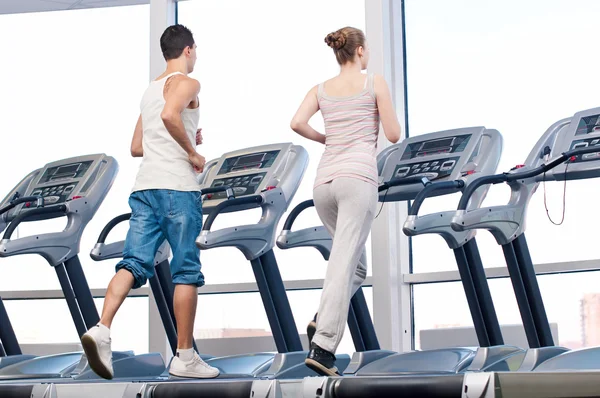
(335, 40)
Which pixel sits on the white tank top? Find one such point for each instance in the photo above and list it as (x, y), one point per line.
(165, 165)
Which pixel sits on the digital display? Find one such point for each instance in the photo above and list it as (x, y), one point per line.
(454, 144)
(251, 161)
(435, 144)
(65, 172)
(588, 124)
(245, 160)
(70, 169)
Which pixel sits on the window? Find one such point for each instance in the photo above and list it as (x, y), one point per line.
(49, 322)
(243, 315)
(516, 67)
(254, 73)
(575, 311)
(75, 91)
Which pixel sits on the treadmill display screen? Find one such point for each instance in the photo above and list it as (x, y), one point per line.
(588, 125)
(65, 172)
(437, 146)
(259, 160)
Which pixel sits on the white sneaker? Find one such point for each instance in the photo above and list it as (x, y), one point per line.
(96, 344)
(196, 368)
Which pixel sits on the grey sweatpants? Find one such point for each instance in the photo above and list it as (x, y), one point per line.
(347, 208)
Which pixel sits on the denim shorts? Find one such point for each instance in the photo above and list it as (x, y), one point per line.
(156, 215)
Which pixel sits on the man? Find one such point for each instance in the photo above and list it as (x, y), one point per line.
(165, 204)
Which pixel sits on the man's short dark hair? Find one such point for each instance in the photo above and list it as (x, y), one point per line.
(174, 40)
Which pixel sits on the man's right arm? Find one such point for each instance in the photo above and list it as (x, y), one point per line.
(180, 93)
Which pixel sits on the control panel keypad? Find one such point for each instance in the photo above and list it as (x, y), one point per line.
(54, 194)
(431, 169)
(243, 185)
(590, 142)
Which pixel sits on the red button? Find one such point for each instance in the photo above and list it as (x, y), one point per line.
(77, 197)
(28, 204)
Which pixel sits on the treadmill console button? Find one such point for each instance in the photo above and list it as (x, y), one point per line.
(436, 168)
(402, 171)
(425, 164)
(429, 176)
(580, 145)
(255, 180)
(68, 189)
(51, 199)
(218, 183)
(415, 166)
(434, 163)
(590, 156)
(239, 190)
(595, 142)
(447, 165)
(415, 171)
(37, 192)
(427, 169)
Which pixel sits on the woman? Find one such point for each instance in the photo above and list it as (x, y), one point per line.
(345, 189)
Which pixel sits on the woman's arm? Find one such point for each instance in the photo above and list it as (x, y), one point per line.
(307, 109)
(387, 114)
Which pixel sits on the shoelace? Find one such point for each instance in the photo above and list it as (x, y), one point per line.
(197, 360)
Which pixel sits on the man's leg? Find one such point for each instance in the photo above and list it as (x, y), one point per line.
(185, 302)
(181, 225)
(117, 290)
(143, 239)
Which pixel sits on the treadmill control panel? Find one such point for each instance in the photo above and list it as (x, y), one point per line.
(429, 162)
(58, 182)
(583, 132)
(249, 171)
(440, 156)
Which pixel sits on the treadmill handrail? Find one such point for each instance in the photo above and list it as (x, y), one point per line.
(403, 181)
(296, 212)
(111, 224)
(386, 185)
(429, 189)
(223, 188)
(62, 209)
(508, 177)
(15, 202)
(253, 199)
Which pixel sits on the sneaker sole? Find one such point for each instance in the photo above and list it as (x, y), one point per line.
(93, 357)
(311, 329)
(186, 375)
(320, 369)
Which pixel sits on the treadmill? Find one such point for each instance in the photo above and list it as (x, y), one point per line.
(427, 165)
(73, 188)
(572, 154)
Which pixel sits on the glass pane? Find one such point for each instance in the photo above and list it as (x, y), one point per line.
(282, 59)
(572, 302)
(507, 66)
(49, 322)
(79, 95)
(243, 315)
